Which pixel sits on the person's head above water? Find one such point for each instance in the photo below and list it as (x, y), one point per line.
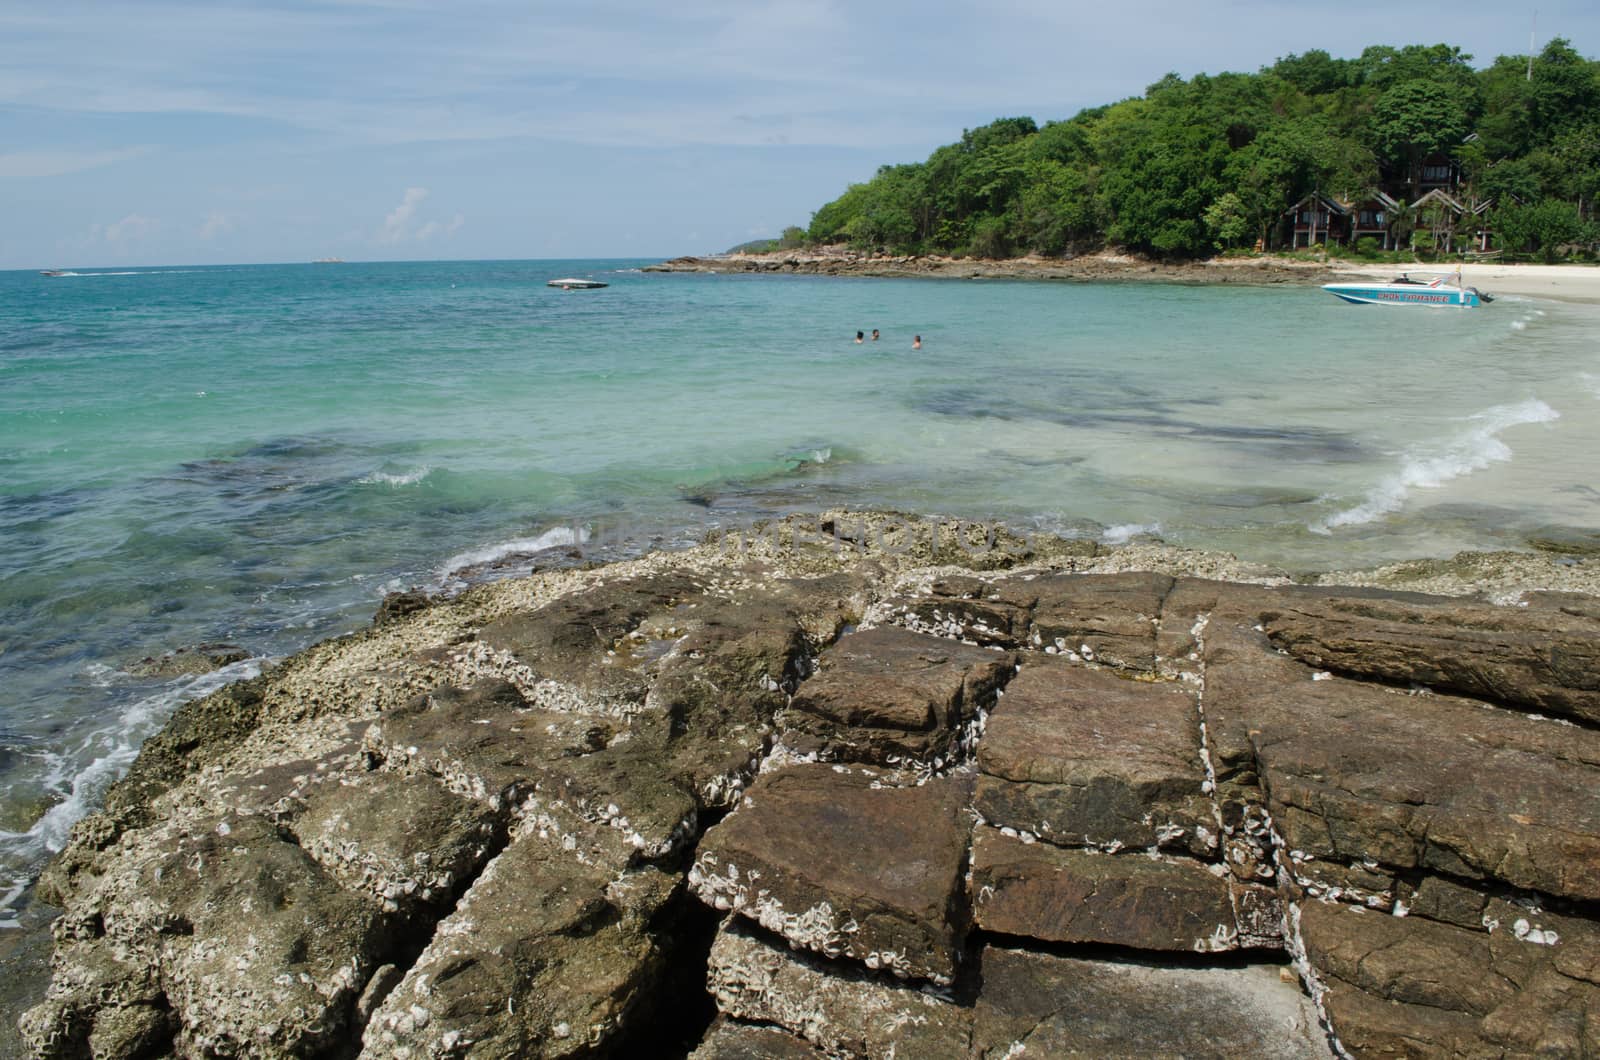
(916, 342)
(860, 336)
(874, 334)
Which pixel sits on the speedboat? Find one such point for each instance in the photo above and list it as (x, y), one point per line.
(1403, 290)
(52, 272)
(571, 284)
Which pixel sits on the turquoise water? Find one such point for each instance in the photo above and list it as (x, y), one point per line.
(255, 454)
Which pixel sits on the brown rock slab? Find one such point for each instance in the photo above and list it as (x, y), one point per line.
(1105, 618)
(483, 745)
(842, 1011)
(1356, 774)
(404, 840)
(567, 640)
(99, 1004)
(1410, 986)
(1034, 1004)
(544, 957)
(889, 696)
(199, 659)
(399, 604)
(1082, 757)
(720, 687)
(1536, 658)
(1044, 892)
(965, 609)
(231, 939)
(839, 863)
(730, 1040)
(1110, 618)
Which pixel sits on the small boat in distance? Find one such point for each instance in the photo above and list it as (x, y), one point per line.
(327, 261)
(573, 284)
(52, 272)
(1403, 290)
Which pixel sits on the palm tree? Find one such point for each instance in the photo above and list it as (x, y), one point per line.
(1402, 220)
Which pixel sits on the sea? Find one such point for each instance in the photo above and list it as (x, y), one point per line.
(257, 454)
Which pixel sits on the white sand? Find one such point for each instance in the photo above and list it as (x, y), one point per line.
(1566, 283)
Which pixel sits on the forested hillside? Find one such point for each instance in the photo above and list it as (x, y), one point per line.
(1212, 163)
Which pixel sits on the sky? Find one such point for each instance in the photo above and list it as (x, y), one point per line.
(230, 131)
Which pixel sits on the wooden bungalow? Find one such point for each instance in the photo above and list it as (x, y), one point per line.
(1440, 212)
(1437, 172)
(1317, 218)
(1477, 215)
(1371, 215)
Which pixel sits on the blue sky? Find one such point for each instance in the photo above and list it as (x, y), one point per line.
(136, 132)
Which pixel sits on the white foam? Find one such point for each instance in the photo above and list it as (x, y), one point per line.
(556, 537)
(403, 478)
(1472, 450)
(108, 752)
(1122, 534)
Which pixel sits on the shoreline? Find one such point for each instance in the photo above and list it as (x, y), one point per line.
(1099, 267)
(1563, 283)
(1568, 283)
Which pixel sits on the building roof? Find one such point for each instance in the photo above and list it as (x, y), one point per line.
(1439, 196)
(1326, 202)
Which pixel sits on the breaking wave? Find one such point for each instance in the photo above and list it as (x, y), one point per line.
(1471, 450)
(556, 537)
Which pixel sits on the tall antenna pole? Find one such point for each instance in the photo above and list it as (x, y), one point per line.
(1532, 30)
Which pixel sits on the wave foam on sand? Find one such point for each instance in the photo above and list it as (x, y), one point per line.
(1472, 450)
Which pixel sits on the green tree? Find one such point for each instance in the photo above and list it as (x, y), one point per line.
(1565, 91)
(1577, 156)
(1542, 227)
(1402, 223)
(1292, 159)
(1384, 67)
(831, 223)
(1194, 164)
(1058, 205)
(1156, 196)
(1506, 128)
(1508, 179)
(1227, 221)
(1314, 73)
(1415, 119)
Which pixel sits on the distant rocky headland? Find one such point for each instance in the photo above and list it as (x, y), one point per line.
(860, 786)
(1104, 266)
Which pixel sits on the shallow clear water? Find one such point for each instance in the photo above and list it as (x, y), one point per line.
(255, 454)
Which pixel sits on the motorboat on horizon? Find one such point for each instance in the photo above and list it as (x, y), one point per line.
(1439, 291)
(573, 284)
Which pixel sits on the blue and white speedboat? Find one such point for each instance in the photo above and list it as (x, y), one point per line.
(1439, 291)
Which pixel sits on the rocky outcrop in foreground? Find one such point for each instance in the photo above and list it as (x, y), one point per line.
(805, 802)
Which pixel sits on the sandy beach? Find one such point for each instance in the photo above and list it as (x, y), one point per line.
(1567, 283)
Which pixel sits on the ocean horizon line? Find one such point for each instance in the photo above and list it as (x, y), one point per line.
(343, 261)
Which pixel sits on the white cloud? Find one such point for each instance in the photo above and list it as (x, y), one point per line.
(396, 226)
(216, 223)
(130, 229)
(434, 228)
(47, 163)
